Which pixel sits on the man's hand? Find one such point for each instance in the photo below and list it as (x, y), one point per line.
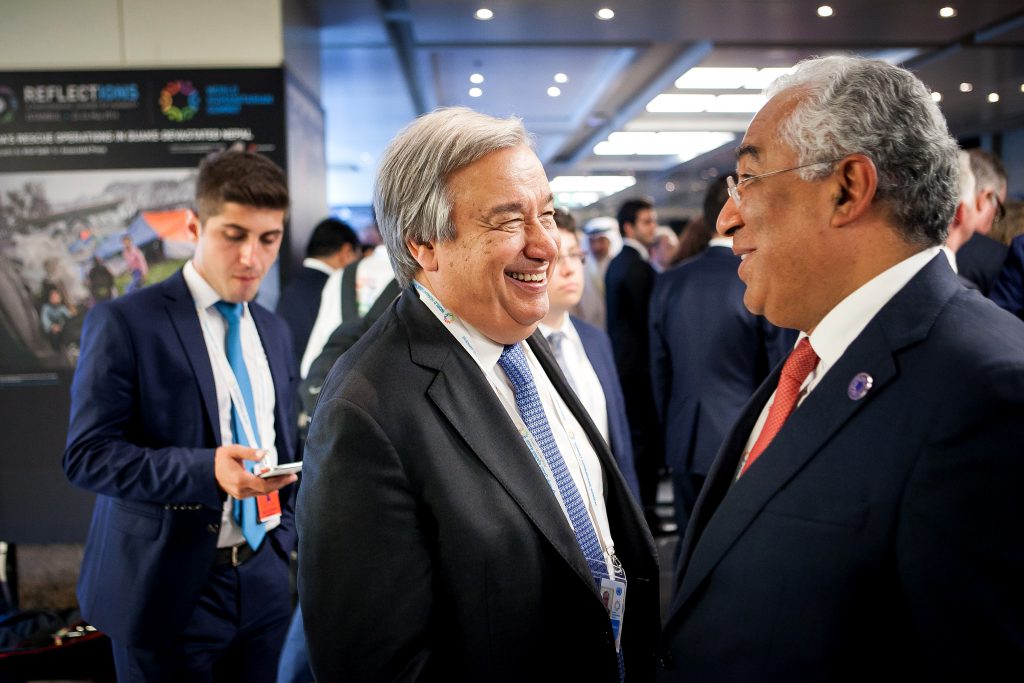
(229, 469)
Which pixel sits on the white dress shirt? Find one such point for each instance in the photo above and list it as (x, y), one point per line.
(264, 399)
(630, 242)
(582, 461)
(373, 274)
(317, 264)
(845, 322)
(581, 372)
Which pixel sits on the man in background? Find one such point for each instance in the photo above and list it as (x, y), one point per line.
(628, 286)
(981, 258)
(180, 389)
(708, 355)
(584, 352)
(332, 246)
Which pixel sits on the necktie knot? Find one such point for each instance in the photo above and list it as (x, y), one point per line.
(801, 361)
(513, 361)
(232, 312)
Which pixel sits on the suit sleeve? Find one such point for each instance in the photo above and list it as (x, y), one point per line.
(103, 452)
(364, 564)
(1008, 289)
(661, 359)
(959, 549)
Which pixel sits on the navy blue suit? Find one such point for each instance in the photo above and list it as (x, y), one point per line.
(878, 532)
(299, 305)
(628, 285)
(708, 356)
(599, 353)
(1008, 290)
(980, 260)
(144, 427)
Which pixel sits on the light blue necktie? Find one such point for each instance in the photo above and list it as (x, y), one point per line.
(556, 340)
(244, 510)
(513, 362)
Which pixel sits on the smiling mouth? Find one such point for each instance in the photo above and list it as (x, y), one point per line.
(528, 277)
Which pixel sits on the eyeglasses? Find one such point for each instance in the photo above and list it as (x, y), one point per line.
(1000, 209)
(734, 187)
(575, 255)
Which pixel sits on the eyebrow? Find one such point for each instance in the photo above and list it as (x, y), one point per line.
(515, 206)
(236, 226)
(751, 151)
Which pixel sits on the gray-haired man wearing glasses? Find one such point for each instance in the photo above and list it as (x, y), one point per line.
(864, 513)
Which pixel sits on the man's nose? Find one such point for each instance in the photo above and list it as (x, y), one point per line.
(729, 220)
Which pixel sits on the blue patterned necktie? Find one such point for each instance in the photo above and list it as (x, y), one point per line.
(244, 510)
(513, 362)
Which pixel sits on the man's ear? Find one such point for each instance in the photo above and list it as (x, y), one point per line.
(193, 225)
(856, 185)
(424, 254)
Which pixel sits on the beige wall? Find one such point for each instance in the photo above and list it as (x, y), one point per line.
(86, 34)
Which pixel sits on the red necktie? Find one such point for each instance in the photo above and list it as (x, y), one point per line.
(800, 363)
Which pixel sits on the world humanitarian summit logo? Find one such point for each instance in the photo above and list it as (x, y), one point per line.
(179, 100)
(8, 104)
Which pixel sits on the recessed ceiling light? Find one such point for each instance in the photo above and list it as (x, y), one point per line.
(825, 11)
(966, 87)
(1022, 87)
(554, 91)
(947, 12)
(476, 78)
(483, 14)
(605, 14)
(993, 97)
(936, 96)
(561, 78)
(475, 92)
(670, 186)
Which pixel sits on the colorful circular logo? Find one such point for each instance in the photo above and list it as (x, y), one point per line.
(8, 104)
(179, 100)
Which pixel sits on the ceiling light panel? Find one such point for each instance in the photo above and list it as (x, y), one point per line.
(685, 145)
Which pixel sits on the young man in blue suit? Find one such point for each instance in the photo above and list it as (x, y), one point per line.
(584, 352)
(180, 389)
(863, 515)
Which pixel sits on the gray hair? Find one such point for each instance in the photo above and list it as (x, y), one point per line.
(855, 105)
(967, 185)
(410, 194)
(988, 171)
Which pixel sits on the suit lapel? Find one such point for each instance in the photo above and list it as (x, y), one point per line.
(725, 509)
(280, 374)
(468, 402)
(181, 309)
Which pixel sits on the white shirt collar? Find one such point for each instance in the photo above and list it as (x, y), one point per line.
(720, 242)
(317, 264)
(567, 328)
(951, 257)
(849, 317)
(630, 242)
(202, 293)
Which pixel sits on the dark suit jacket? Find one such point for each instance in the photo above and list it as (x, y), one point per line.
(599, 353)
(980, 259)
(878, 534)
(432, 547)
(708, 355)
(1008, 290)
(628, 285)
(144, 427)
(299, 305)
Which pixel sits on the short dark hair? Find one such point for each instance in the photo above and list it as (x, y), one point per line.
(329, 236)
(714, 199)
(564, 220)
(628, 211)
(241, 177)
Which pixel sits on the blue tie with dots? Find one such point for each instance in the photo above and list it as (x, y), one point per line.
(244, 510)
(513, 361)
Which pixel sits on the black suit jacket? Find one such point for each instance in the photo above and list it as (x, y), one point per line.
(874, 534)
(432, 547)
(708, 355)
(980, 259)
(628, 286)
(143, 431)
(299, 305)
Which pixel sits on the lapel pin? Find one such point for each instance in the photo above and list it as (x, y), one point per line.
(860, 385)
